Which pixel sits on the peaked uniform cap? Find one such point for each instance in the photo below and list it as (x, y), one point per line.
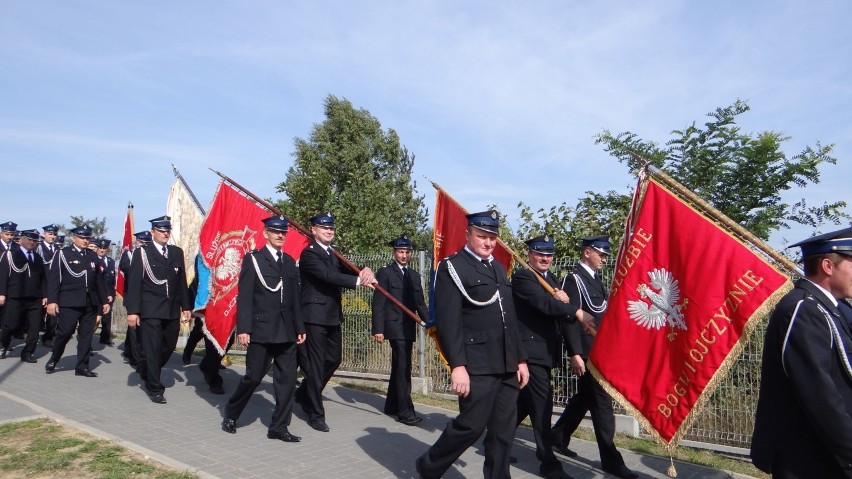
(9, 226)
(600, 243)
(144, 236)
(276, 223)
(84, 231)
(839, 241)
(163, 223)
(542, 244)
(50, 228)
(402, 242)
(485, 220)
(31, 234)
(323, 219)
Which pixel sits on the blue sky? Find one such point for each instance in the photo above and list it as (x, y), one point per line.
(499, 101)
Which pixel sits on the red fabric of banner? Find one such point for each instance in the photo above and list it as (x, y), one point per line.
(681, 295)
(126, 245)
(232, 228)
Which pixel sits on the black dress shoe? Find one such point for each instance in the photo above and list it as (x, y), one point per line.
(564, 451)
(157, 398)
(85, 373)
(319, 425)
(50, 367)
(29, 359)
(108, 343)
(622, 472)
(283, 436)
(3, 353)
(410, 421)
(513, 460)
(186, 359)
(230, 426)
(217, 389)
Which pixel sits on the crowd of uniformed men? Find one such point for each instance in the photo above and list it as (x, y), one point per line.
(501, 339)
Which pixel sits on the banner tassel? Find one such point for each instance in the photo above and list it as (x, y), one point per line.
(671, 472)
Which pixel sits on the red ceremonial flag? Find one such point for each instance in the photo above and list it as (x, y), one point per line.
(685, 296)
(232, 228)
(126, 245)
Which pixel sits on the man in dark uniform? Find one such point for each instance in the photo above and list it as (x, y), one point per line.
(46, 249)
(22, 291)
(475, 320)
(156, 299)
(269, 323)
(586, 291)
(803, 421)
(391, 324)
(107, 265)
(75, 295)
(540, 314)
(7, 235)
(323, 276)
(132, 346)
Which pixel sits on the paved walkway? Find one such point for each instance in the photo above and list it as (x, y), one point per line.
(185, 433)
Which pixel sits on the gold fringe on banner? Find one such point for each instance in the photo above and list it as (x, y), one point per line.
(747, 239)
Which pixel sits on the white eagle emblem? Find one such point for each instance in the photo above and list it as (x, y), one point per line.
(663, 310)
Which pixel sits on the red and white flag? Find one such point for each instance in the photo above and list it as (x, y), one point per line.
(232, 228)
(126, 245)
(684, 298)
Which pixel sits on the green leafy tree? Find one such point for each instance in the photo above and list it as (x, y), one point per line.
(361, 173)
(594, 214)
(742, 175)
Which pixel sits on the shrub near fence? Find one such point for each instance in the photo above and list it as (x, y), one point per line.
(727, 419)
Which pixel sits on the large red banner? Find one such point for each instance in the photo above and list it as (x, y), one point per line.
(232, 228)
(685, 296)
(126, 245)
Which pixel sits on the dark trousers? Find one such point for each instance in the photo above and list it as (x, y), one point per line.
(210, 364)
(49, 327)
(67, 321)
(491, 405)
(133, 347)
(325, 351)
(258, 357)
(536, 401)
(196, 334)
(22, 314)
(591, 397)
(106, 326)
(159, 338)
(398, 401)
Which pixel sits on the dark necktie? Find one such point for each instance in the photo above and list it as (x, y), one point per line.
(30, 256)
(165, 252)
(487, 264)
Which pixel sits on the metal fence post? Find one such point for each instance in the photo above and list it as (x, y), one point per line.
(421, 332)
